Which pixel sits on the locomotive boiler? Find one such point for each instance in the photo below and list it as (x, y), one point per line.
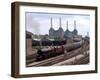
(56, 50)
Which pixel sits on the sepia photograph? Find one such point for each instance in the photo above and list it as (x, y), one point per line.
(54, 39)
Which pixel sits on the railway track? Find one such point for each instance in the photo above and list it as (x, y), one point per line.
(46, 62)
(56, 59)
(32, 61)
(79, 59)
(85, 60)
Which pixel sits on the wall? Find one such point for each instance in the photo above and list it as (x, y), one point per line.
(5, 40)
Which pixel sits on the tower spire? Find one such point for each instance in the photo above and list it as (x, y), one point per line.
(74, 24)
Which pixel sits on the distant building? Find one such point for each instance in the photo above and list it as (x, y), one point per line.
(61, 33)
(56, 33)
(28, 34)
(75, 32)
(28, 43)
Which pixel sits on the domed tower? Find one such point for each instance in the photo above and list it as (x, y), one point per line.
(60, 30)
(75, 32)
(51, 30)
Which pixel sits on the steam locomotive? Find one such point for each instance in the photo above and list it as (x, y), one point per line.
(56, 50)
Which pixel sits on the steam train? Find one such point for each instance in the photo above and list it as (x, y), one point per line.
(56, 50)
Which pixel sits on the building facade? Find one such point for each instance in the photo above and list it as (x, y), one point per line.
(60, 33)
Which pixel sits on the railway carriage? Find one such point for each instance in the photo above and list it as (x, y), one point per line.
(56, 50)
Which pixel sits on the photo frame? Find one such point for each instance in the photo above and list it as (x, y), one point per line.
(53, 39)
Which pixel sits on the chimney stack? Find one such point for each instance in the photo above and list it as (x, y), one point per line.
(60, 21)
(51, 22)
(74, 24)
(67, 25)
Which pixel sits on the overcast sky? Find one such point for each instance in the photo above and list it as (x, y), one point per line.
(40, 23)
